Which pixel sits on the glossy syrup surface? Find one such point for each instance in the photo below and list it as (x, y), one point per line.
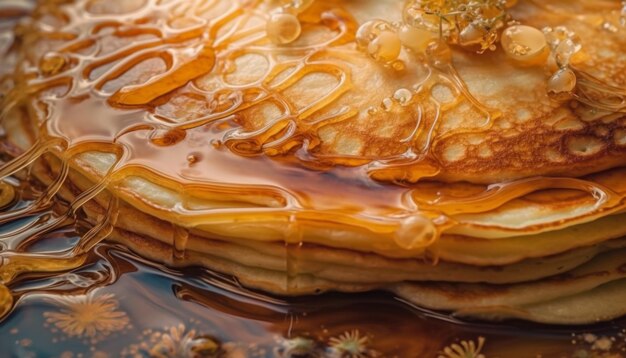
(63, 292)
(157, 84)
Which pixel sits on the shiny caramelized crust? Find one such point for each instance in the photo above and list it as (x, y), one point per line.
(158, 68)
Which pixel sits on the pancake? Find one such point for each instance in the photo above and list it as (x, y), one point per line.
(559, 289)
(301, 153)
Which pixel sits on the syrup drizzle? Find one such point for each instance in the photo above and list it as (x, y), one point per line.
(157, 146)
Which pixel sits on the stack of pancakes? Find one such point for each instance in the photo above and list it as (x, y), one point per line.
(298, 169)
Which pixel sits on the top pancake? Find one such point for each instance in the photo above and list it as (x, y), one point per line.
(187, 111)
(322, 102)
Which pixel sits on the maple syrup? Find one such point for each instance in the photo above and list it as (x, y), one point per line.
(68, 100)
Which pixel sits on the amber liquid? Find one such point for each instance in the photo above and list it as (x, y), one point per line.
(49, 251)
(74, 98)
